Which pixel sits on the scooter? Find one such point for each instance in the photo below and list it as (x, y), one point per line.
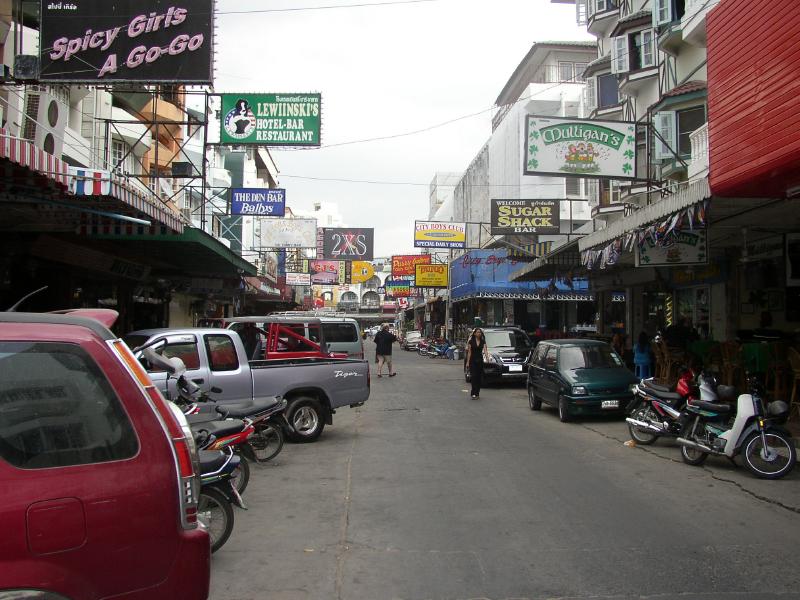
(754, 432)
(221, 435)
(656, 411)
(217, 494)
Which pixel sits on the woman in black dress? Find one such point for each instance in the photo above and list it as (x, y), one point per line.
(476, 351)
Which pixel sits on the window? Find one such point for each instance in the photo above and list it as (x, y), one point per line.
(607, 90)
(58, 409)
(221, 353)
(689, 120)
(580, 67)
(588, 357)
(186, 351)
(644, 56)
(619, 55)
(633, 52)
(667, 11)
(664, 141)
(507, 339)
(339, 332)
(565, 71)
(573, 186)
(551, 358)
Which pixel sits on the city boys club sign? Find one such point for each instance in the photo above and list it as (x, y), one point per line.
(580, 147)
(271, 119)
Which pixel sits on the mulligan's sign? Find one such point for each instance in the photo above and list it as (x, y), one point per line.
(271, 119)
(580, 147)
(525, 216)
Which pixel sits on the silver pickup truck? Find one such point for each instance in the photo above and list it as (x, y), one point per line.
(215, 358)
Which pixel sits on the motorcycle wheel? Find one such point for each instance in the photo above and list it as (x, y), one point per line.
(643, 438)
(241, 475)
(781, 459)
(214, 511)
(692, 456)
(266, 442)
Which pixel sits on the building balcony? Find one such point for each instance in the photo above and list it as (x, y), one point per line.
(553, 74)
(693, 23)
(631, 82)
(601, 22)
(698, 164)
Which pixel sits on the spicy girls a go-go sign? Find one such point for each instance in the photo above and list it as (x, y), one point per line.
(580, 147)
(126, 40)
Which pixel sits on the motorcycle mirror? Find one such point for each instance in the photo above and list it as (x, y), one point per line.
(173, 366)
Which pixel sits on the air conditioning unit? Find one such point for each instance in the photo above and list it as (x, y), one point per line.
(45, 120)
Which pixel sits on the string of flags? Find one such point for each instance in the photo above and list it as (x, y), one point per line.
(656, 234)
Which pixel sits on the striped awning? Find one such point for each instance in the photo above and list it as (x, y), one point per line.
(530, 251)
(26, 154)
(103, 184)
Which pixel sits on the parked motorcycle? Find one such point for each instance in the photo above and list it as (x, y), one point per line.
(222, 434)
(217, 495)
(754, 431)
(656, 410)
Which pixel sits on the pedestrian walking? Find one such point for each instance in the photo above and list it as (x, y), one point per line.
(476, 353)
(642, 357)
(383, 348)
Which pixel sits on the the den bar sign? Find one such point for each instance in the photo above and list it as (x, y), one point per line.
(126, 40)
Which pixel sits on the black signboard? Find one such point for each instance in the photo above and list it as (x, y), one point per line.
(510, 217)
(127, 40)
(344, 243)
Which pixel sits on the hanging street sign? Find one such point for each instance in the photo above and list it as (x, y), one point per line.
(510, 217)
(258, 202)
(271, 119)
(580, 147)
(430, 234)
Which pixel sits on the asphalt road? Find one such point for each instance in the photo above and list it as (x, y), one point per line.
(423, 493)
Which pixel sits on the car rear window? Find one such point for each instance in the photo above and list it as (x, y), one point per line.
(221, 353)
(339, 332)
(57, 408)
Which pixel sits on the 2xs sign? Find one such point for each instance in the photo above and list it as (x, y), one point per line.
(257, 202)
(348, 244)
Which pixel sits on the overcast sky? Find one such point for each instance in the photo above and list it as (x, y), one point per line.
(383, 70)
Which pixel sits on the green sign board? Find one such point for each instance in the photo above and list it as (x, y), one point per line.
(271, 119)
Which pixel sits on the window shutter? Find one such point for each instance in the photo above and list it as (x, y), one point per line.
(648, 49)
(594, 191)
(662, 12)
(619, 55)
(580, 12)
(665, 125)
(591, 93)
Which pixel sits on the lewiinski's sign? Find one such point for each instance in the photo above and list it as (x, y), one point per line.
(126, 40)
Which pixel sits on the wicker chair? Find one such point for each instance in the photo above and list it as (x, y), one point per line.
(794, 363)
(732, 364)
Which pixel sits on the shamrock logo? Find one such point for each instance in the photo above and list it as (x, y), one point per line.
(628, 154)
(627, 168)
(630, 139)
(533, 149)
(533, 163)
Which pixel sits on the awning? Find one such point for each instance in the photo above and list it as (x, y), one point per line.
(105, 186)
(25, 154)
(573, 296)
(193, 252)
(686, 196)
(562, 259)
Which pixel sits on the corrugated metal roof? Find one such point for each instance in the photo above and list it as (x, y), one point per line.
(695, 85)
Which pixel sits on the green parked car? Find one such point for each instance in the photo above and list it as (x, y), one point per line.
(579, 377)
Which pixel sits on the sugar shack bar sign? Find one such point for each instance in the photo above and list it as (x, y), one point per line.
(580, 147)
(271, 119)
(126, 40)
(429, 234)
(525, 216)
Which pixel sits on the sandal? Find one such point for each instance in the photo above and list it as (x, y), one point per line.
(392, 374)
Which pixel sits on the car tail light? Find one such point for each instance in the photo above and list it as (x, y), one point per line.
(177, 428)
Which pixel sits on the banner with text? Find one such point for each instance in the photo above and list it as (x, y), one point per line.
(271, 119)
(430, 234)
(398, 289)
(327, 272)
(151, 41)
(525, 216)
(301, 279)
(289, 233)
(342, 243)
(431, 276)
(580, 147)
(404, 265)
(681, 249)
(258, 202)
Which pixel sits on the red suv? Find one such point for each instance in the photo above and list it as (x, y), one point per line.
(99, 475)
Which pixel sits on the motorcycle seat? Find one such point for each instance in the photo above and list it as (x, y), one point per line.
(656, 387)
(257, 406)
(212, 461)
(219, 428)
(726, 393)
(710, 406)
(664, 395)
